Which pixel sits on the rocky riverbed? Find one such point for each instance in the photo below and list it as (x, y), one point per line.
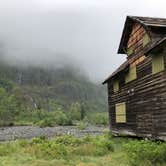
(19, 132)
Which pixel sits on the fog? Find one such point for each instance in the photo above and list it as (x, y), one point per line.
(83, 33)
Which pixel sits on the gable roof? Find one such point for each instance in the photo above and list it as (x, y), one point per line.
(119, 69)
(157, 46)
(146, 22)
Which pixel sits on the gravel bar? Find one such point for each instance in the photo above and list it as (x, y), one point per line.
(28, 132)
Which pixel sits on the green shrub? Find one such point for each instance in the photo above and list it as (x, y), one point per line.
(69, 140)
(104, 142)
(44, 118)
(94, 146)
(93, 149)
(46, 123)
(81, 125)
(8, 108)
(44, 148)
(98, 118)
(7, 149)
(88, 149)
(146, 151)
(88, 138)
(23, 142)
(62, 119)
(39, 140)
(74, 111)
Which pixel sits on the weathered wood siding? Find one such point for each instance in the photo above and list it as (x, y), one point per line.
(136, 38)
(145, 97)
(145, 100)
(136, 43)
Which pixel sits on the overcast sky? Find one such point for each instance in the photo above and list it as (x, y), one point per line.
(84, 32)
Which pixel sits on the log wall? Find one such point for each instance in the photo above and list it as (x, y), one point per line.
(145, 96)
(136, 38)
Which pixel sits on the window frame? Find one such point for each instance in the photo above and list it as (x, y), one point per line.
(129, 77)
(120, 113)
(116, 86)
(130, 51)
(157, 63)
(145, 39)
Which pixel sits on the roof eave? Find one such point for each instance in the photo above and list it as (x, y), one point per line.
(116, 72)
(120, 49)
(129, 21)
(159, 44)
(104, 82)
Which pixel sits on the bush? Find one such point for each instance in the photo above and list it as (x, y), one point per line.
(70, 145)
(8, 108)
(23, 142)
(46, 123)
(98, 118)
(88, 149)
(54, 118)
(75, 111)
(62, 119)
(95, 148)
(81, 125)
(104, 142)
(146, 151)
(69, 140)
(8, 148)
(44, 148)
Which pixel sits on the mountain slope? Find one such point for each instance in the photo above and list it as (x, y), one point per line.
(39, 88)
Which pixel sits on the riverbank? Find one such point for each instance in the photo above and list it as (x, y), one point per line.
(28, 132)
(66, 150)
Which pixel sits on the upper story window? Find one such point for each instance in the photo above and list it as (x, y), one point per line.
(131, 75)
(138, 39)
(116, 86)
(157, 63)
(130, 51)
(145, 39)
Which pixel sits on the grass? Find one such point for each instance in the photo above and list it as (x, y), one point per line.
(67, 150)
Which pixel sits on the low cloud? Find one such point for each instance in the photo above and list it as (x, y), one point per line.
(82, 33)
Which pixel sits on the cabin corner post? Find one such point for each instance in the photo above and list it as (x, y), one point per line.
(109, 91)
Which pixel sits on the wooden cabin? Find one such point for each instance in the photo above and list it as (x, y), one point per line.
(137, 89)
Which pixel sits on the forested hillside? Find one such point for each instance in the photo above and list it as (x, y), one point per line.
(36, 92)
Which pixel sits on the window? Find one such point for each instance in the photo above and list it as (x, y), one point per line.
(116, 86)
(131, 75)
(120, 111)
(157, 63)
(146, 40)
(130, 51)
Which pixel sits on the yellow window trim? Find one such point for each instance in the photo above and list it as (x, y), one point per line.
(130, 51)
(121, 119)
(116, 86)
(146, 39)
(120, 111)
(157, 63)
(131, 75)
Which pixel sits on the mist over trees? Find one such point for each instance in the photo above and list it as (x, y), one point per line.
(47, 95)
(48, 62)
